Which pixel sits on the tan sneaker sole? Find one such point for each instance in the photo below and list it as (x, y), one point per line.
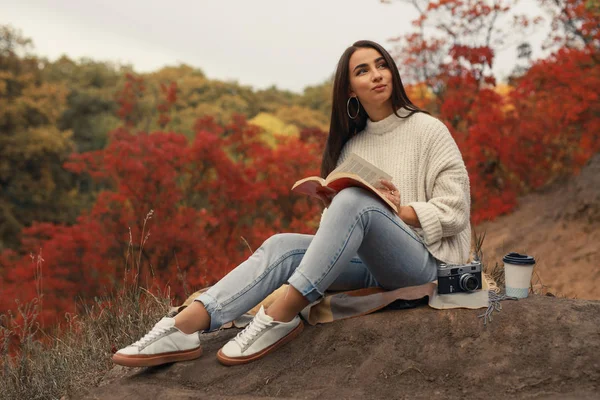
(156, 359)
(229, 361)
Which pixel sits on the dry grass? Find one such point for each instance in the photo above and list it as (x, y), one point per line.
(496, 272)
(36, 364)
(77, 354)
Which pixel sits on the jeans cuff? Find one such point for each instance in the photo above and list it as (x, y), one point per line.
(305, 287)
(211, 306)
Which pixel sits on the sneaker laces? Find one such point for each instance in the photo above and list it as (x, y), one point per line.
(255, 327)
(155, 333)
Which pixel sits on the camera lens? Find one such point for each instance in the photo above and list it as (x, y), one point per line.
(468, 282)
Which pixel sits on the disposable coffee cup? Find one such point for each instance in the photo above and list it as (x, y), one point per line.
(518, 269)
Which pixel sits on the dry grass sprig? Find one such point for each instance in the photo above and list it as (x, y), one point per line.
(36, 364)
(496, 272)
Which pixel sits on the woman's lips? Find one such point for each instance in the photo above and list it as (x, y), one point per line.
(379, 88)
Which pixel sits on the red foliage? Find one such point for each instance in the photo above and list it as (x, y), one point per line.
(227, 188)
(127, 99)
(170, 97)
(555, 122)
(545, 128)
(209, 197)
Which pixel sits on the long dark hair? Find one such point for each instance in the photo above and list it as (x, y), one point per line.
(342, 128)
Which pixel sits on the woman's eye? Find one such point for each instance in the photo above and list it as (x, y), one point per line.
(384, 65)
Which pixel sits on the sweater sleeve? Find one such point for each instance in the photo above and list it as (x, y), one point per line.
(447, 211)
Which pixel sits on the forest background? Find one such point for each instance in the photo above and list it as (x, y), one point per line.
(100, 164)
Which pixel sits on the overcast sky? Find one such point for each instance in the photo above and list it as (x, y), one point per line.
(290, 44)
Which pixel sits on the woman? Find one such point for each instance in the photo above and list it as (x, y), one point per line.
(360, 243)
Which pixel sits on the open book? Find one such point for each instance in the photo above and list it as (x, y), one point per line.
(354, 171)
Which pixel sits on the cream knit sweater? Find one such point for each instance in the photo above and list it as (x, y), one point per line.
(429, 172)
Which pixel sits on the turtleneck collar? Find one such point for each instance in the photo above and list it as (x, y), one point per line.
(387, 124)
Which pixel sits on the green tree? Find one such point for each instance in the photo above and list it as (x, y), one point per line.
(90, 109)
(303, 117)
(34, 185)
(318, 97)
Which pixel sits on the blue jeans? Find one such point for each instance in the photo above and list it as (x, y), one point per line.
(360, 243)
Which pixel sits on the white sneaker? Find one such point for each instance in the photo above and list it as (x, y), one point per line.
(163, 344)
(262, 336)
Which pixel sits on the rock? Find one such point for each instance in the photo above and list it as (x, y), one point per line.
(539, 347)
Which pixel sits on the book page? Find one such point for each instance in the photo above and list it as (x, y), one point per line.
(361, 167)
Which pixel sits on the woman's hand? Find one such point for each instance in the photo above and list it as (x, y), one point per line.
(406, 214)
(390, 191)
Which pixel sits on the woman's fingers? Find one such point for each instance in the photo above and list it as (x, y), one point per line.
(390, 191)
(388, 186)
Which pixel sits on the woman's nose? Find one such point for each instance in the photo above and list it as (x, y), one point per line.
(376, 75)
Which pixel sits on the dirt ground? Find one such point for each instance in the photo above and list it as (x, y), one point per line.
(537, 348)
(560, 227)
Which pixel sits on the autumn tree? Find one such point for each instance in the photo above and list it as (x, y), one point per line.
(450, 55)
(521, 139)
(212, 199)
(33, 147)
(318, 97)
(90, 112)
(574, 25)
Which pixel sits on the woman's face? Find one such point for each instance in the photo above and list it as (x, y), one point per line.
(370, 77)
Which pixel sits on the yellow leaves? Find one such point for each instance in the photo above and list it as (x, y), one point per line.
(420, 94)
(419, 91)
(302, 117)
(47, 99)
(176, 73)
(190, 90)
(505, 91)
(36, 144)
(272, 126)
(25, 102)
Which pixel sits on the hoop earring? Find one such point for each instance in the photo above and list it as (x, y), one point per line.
(348, 107)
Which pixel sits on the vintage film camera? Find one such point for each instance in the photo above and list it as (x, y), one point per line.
(460, 278)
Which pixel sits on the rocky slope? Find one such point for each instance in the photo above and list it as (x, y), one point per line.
(541, 347)
(560, 227)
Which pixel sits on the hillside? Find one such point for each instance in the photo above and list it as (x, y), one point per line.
(560, 226)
